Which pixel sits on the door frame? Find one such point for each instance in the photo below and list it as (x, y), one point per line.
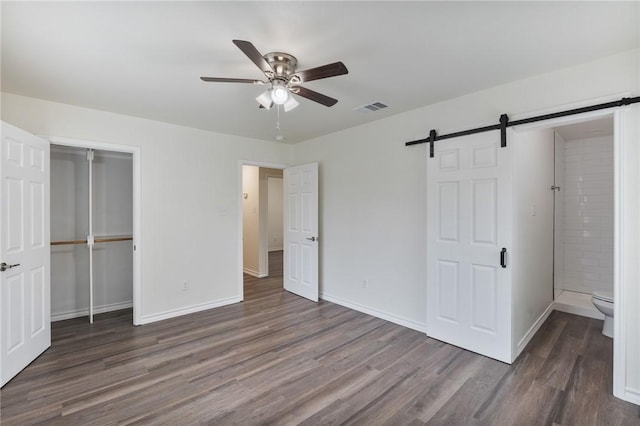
(137, 242)
(621, 196)
(240, 215)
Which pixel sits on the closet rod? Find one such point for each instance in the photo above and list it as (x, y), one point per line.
(504, 123)
(95, 240)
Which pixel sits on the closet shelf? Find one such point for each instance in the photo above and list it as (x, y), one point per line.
(104, 239)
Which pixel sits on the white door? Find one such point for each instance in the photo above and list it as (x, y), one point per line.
(25, 249)
(301, 230)
(469, 223)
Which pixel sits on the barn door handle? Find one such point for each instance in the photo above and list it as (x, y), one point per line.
(4, 266)
(503, 257)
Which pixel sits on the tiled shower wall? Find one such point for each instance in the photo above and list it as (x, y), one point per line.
(587, 194)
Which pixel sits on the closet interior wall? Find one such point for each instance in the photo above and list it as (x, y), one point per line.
(112, 215)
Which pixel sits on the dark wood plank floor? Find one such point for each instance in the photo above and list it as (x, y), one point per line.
(279, 359)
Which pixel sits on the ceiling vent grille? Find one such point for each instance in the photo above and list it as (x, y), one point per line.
(376, 106)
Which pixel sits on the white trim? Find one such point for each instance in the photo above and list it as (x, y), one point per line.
(137, 179)
(619, 329)
(146, 319)
(631, 395)
(254, 273)
(405, 322)
(532, 331)
(240, 218)
(96, 310)
(575, 303)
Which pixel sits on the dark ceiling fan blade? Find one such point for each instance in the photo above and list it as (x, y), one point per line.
(314, 96)
(325, 71)
(231, 80)
(252, 53)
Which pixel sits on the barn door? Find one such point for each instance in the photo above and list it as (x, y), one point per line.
(25, 321)
(468, 237)
(301, 230)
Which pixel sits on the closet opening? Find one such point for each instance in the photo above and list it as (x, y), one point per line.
(261, 218)
(94, 249)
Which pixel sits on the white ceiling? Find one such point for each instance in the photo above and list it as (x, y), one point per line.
(145, 58)
(587, 129)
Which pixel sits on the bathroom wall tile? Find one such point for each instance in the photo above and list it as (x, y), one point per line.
(587, 196)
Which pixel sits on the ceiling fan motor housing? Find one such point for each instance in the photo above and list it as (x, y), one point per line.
(283, 64)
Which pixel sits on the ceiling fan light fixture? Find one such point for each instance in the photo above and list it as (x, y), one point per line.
(265, 99)
(279, 93)
(290, 104)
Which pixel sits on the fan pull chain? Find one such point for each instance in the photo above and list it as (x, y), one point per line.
(278, 122)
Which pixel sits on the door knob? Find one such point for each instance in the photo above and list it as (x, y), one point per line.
(4, 266)
(312, 238)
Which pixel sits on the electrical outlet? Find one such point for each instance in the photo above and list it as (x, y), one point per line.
(365, 283)
(185, 285)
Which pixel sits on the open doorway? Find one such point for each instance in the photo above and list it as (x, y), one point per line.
(300, 238)
(587, 154)
(584, 215)
(262, 220)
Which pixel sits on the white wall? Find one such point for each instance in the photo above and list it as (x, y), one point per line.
(190, 192)
(532, 254)
(69, 221)
(113, 262)
(274, 214)
(587, 195)
(373, 195)
(558, 234)
(250, 220)
(113, 216)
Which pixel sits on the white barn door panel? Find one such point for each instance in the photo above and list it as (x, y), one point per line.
(469, 223)
(25, 324)
(301, 230)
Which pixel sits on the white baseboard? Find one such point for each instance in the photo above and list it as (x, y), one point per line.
(146, 319)
(376, 313)
(575, 303)
(254, 273)
(59, 316)
(631, 395)
(533, 330)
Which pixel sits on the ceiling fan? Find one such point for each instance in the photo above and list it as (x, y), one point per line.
(280, 70)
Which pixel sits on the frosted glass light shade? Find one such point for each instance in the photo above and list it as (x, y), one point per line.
(279, 93)
(290, 104)
(265, 99)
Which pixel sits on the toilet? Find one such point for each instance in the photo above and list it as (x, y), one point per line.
(603, 301)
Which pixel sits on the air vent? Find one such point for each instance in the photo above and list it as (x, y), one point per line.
(376, 106)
